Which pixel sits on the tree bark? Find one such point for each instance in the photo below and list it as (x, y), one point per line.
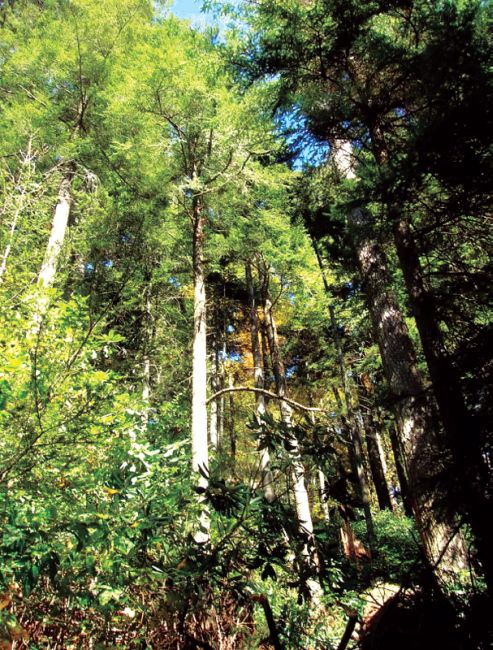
(222, 384)
(371, 424)
(470, 466)
(267, 480)
(377, 470)
(46, 277)
(423, 455)
(200, 452)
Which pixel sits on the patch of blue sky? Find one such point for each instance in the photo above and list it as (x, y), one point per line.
(192, 10)
(230, 356)
(291, 371)
(306, 150)
(219, 20)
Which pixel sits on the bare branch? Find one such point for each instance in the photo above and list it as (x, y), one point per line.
(267, 393)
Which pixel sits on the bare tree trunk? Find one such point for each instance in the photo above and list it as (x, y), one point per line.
(46, 276)
(322, 486)
(200, 452)
(377, 469)
(355, 428)
(222, 383)
(300, 494)
(266, 477)
(419, 441)
(401, 472)
(319, 479)
(376, 457)
(146, 378)
(215, 387)
(232, 431)
(359, 466)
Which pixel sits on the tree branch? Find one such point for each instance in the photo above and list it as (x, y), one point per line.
(268, 393)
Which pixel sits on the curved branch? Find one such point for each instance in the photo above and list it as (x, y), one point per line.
(268, 393)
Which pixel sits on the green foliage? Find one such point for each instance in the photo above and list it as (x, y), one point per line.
(397, 555)
(97, 503)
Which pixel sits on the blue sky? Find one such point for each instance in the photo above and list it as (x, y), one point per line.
(189, 9)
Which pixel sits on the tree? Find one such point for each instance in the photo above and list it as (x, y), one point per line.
(353, 82)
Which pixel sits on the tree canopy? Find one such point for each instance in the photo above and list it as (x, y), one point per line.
(245, 321)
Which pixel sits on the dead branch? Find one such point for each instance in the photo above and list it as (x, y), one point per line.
(267, 393)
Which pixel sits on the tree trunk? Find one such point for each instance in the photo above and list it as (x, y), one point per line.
(422, 453)
(300, 494)
(322, 486)
(146, 360)
(463, 441)
(376, 457)
(232, 431)
(46, 276)
(215, 387)
(200, 452)
(377, 470)
(355, 428)
(266, 477)
(462, 435)
(222, 383)
(401, 472)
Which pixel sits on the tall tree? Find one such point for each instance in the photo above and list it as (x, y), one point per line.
(266, 475)
(354, 82)
(300, 493)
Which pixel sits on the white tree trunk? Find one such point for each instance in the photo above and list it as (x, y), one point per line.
(146, 380)
(298, 487)
(200, 452)
(323, 497)
(214, 409)
(46, 276)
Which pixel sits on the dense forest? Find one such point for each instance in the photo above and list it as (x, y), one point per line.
(245, 378)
